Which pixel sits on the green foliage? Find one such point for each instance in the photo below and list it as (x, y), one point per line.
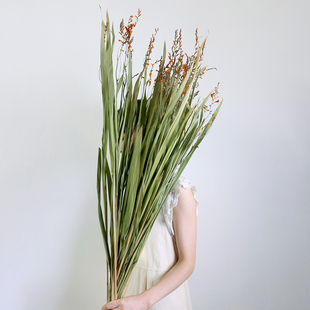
(132, 185)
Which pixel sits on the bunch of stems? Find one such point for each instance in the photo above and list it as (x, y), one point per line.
(156, 143)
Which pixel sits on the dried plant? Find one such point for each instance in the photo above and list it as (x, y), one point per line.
(158, 137)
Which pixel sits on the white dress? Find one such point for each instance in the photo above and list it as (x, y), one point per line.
(159, 255)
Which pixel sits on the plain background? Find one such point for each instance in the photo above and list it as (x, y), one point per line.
(251, 172)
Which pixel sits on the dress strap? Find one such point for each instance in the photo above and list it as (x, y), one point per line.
(172, 201)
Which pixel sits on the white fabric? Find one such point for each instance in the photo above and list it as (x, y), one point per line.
(172, 201)
(160, 254)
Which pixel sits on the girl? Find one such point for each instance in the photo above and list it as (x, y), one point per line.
(158, 281)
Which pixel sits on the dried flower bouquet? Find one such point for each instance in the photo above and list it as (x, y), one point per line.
(157, 137)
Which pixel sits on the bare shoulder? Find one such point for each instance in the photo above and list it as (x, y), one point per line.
(186, 200)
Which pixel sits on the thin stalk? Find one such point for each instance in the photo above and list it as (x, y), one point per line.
(108, 283)
(128, 241)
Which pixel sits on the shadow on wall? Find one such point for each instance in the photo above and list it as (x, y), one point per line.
(85, 288)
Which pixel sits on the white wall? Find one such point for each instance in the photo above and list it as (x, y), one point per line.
(252, 171)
